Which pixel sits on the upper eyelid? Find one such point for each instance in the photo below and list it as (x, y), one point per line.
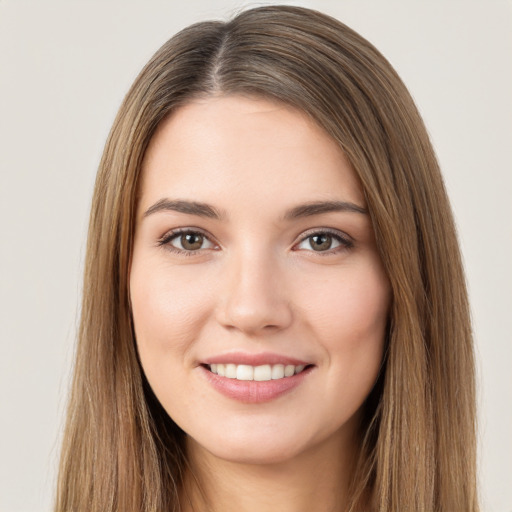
(192, 229)
(331, 231)
(302, 235)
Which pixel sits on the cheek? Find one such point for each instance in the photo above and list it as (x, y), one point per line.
(167, 307)
(349, 322)
(168, 314)
(354, 309)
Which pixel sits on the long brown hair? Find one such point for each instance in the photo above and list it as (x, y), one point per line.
(121, 451)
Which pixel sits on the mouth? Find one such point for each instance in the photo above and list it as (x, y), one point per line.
(261, 373)
(255, 378)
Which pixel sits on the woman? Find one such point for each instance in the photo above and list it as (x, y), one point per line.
(274, 311)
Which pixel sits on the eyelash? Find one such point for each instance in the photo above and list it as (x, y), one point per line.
(345, 242)
(166, 240)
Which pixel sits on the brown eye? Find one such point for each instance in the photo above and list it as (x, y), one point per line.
(187, 242)
(321, 242)
(324, 241)
(191, 241)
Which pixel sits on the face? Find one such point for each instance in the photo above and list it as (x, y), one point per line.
(259, 299)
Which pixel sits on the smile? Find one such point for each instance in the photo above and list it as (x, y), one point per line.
(255, 378)
(259, 373)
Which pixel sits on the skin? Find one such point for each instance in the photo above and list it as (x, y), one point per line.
(258, 284)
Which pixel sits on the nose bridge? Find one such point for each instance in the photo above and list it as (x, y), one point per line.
(254, 292)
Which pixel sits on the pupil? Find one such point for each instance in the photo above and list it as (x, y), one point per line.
(192, 241)
(321, 242)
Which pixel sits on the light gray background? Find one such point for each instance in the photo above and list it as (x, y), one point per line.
(64, 68)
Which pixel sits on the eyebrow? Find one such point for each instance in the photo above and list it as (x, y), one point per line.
(208, 211)
(319, 207)
(182, 206)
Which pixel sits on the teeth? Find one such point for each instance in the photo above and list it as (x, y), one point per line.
(263, 372)
(257, 373)
(289, 370)
(231, 371)
(277, 371)
(244, 372)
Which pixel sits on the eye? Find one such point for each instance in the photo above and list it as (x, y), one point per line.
(324, 241)
(186, 241)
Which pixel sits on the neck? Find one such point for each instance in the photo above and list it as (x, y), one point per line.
(314, 480)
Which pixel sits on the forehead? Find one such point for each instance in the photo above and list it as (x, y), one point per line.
(232, 147)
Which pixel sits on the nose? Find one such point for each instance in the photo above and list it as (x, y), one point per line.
(253, 296)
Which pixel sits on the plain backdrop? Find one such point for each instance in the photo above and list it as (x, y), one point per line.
(64, 69)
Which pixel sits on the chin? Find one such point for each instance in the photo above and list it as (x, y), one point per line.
(254, 454)
(271, 444)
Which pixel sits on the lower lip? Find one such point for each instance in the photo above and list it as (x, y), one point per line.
(252, 391)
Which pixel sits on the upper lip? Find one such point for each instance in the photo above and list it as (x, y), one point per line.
(254, 359)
